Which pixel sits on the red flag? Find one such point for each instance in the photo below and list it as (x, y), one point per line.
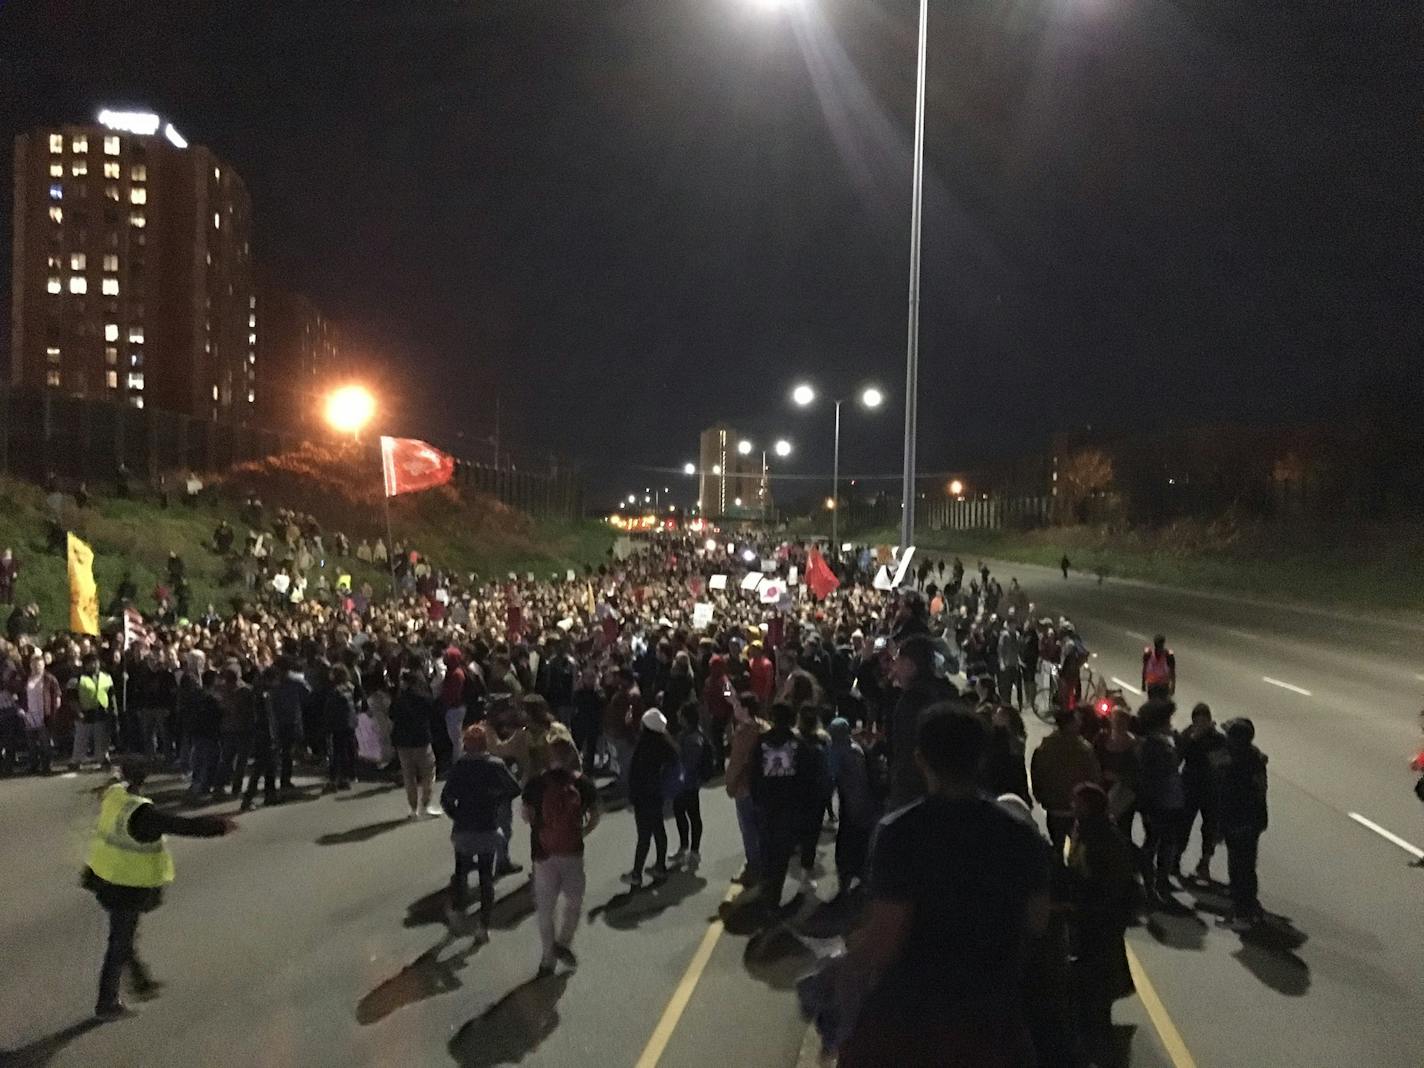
(820, 579)
(410, 465)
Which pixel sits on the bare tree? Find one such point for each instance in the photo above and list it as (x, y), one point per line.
(1085, 473)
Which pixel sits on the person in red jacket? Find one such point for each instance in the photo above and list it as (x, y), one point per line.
(763, 674)
(716, 699)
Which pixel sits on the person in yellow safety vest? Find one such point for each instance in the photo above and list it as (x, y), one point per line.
(1159, 669)
(127, 867)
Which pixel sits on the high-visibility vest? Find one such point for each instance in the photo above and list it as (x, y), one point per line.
(115, 855)
(1155, 670)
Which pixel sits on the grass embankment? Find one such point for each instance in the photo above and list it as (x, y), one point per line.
(457, 531)
(1364, 565)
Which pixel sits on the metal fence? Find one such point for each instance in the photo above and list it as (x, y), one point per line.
(43, 432)
(986, 513)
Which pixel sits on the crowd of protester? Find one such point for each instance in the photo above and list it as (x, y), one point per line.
(893, 718)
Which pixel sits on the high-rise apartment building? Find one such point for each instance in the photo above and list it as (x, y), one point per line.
(299, 355)
(728, 482)
(132, 272)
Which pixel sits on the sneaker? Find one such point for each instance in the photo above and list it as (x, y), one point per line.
(1203, 871)
(565, 954)
(677, 858)
(433, 809)
(509, 869)
(413, 815)
(659, 872)
(632, 878)
(246, 805)
(545, 970)
(115, 1010)
(480, 933)
(694, 858)
(148, 989)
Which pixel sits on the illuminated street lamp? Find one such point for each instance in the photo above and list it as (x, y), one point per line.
(689, 469)
(744, 447)
(956, 488)
(870, 397)
(349, 409)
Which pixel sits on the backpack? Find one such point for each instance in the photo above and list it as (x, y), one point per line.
(706, 767)
(560, 818)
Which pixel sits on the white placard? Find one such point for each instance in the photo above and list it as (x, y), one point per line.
(717, 582)
(752, 581)
(701, 615)
(569, 575)
(792, 574)
(904, 568)
(771, 590)
(883, 579)
(768, 565)
(566, 624)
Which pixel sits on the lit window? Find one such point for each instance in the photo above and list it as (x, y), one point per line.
(138, 196)
(252, 396)
(217, 172)
(215, 391)
(136, 380)
(55, 284)
(136, 358)
(111, 192)
(252, 339)
(76, 261)
(111, 169)
(80, 144)
(79, 168)
(111, 287)
(136, 335)
(252, 357)
(252, 302)
(53, 262)
(111, 355)
(210, 259)
(136, 219)
(111, 146)
(111, 262)
(78, 284)
(56, 170)
(217, 221)
(252, 320)
(52, 354)
(56, 142)
(111, 331)
(137, 402)
(56, 214)
(111, 379)
(51, 378)
(138, 172)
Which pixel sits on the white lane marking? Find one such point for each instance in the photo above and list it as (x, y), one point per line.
(1285, 686)
(70, 775)
(1419, 675)
(1388, 836)
(1138, 637)
(1240, 633)
(1127, 686)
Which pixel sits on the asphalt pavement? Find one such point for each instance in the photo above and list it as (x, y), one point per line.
(315, 936)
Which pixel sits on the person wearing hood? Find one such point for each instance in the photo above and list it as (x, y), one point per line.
(452, 696)
(476, 793)
(651, 768)
(1241, 799)
(716, 699)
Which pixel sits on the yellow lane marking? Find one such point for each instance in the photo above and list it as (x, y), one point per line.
(662, 1034)
(1157, 1013)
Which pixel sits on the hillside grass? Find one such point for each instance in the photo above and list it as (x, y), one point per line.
(1348, 564)
(459, 532)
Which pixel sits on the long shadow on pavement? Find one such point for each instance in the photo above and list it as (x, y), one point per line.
(1268, 952)
(426, 976)
(360, 834)
(373, 791)
(511, 1029)
(43, 1050)
(510, 908)
(627, 910)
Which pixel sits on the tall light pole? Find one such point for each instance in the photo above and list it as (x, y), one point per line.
(782, 448)
(912, 347)
(803, 396)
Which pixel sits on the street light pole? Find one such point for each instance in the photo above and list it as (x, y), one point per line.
(835, 489)
(912, 348)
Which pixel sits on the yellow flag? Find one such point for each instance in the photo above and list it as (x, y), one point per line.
(83, 594)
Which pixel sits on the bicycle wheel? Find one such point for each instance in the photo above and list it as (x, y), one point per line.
(1045, 692)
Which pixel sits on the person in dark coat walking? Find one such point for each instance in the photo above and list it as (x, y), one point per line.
(1241, 797)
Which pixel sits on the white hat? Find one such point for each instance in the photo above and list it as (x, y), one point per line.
(654, 720)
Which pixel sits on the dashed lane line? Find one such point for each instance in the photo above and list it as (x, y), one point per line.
(1285, 686)
(1389, 836)
(1127, 686)
(1137, 637)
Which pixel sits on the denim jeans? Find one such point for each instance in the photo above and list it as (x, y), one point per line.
(460, 881)
(751, 835)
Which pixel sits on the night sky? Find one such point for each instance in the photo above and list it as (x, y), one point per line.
(630, 219)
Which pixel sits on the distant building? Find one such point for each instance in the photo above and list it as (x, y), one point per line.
(728, 483)
(299, 350)
(132, 269)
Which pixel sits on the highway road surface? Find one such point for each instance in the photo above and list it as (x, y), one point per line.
(315, 935)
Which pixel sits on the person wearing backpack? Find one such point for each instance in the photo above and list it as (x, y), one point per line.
(697, 768)
(478, 787)
(561, 807)
(654, 778)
